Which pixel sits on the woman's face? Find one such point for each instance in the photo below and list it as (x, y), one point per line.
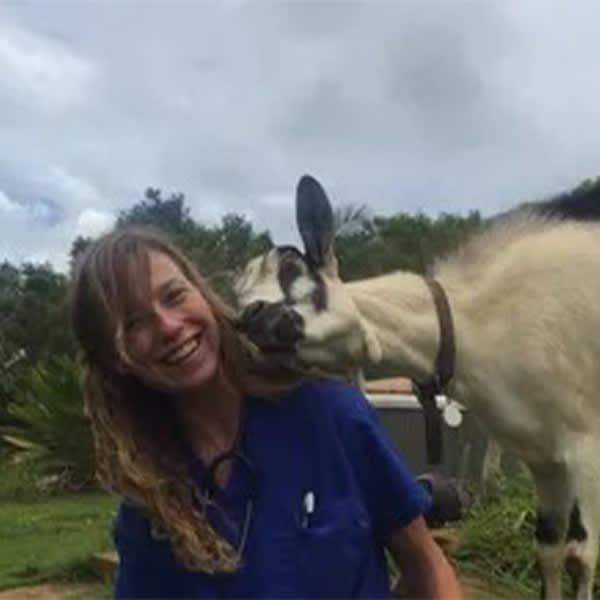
(173, 338)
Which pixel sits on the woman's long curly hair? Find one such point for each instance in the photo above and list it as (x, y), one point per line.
(138, 444)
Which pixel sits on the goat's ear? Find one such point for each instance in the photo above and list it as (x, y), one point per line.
(314, 218)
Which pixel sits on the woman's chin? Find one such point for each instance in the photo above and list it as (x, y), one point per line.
(197, 374)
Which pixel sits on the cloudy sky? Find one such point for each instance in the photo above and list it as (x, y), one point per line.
(402, 105)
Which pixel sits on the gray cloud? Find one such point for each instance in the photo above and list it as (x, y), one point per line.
(436, 106)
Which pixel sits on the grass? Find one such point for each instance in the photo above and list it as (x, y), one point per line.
(53, 539)
(498, 537)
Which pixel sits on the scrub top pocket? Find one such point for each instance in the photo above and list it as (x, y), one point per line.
(335, 544)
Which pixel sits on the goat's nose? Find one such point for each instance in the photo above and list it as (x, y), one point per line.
(288, 328)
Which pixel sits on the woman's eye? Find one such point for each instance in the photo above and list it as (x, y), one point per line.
(175, 296)
(132, 322)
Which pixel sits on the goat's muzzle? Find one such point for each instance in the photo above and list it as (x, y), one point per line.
(272, 326)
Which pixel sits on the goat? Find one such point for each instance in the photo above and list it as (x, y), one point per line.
(524, 297)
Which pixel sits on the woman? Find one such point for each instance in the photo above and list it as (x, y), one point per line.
(236, 483)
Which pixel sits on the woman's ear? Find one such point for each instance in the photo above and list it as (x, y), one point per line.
(122, 367)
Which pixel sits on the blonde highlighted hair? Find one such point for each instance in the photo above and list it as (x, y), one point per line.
(138, 445)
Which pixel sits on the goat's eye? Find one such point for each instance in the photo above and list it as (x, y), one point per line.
(289, 256)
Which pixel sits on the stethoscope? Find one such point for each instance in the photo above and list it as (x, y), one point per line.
(209, 488)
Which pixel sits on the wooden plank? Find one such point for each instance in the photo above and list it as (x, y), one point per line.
(105, 565)
(391, 385)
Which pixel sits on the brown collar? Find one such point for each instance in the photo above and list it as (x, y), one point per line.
(436, 384)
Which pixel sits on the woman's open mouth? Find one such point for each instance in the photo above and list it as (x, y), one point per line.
(184, 351)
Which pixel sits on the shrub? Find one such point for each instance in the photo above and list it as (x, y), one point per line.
(50, 411)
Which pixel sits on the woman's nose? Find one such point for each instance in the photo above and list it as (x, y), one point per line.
(168, 322)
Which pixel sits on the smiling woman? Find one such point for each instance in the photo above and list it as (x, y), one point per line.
(171, 336)
(227, 492)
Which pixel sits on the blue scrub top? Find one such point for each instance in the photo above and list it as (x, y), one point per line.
(323, 439)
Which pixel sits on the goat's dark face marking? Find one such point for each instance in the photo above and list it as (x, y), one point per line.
(293, 301)
(282, 275)
(300, 279)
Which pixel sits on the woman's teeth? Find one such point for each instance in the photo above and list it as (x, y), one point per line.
(183, 352)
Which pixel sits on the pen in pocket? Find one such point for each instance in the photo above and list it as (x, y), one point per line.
(308, 507)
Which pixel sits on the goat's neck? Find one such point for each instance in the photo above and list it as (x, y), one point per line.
(399, 310)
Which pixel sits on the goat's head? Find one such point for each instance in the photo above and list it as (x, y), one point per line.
(293, 303)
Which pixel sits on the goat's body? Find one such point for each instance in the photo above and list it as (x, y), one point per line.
(524, 296)
(525, 303)
(528, 336)
(527, 322)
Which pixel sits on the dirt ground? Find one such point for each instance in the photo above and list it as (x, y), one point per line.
(474, 588)
(52, 591)
(478, 589)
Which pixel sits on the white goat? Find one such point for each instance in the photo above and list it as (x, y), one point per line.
(524, 296)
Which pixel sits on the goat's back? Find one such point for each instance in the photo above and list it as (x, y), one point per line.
(529, 313)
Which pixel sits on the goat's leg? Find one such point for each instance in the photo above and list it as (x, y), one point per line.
(584, 523)
(552, 481)
(581, 552)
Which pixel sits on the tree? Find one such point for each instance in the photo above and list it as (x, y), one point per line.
(33, 323)
(218, 251)
(78, 247)
(33, 311)
(166, 214)
(349, 219)
(356, 235)
(373, 246)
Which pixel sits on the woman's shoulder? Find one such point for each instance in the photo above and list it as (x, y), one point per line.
(331, 396)
(323, 411)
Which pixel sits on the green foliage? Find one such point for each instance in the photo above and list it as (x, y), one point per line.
(20, 480)
(230, 247)
(498, 537)
(218, 251)
(498, 540)
(369, 247)
(167, 214)
(78, 246)
(33, 318)
(349, 219)
(53, 539)
(50, 410)
(32, 306)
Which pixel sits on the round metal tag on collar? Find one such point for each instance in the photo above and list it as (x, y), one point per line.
(452, 414)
